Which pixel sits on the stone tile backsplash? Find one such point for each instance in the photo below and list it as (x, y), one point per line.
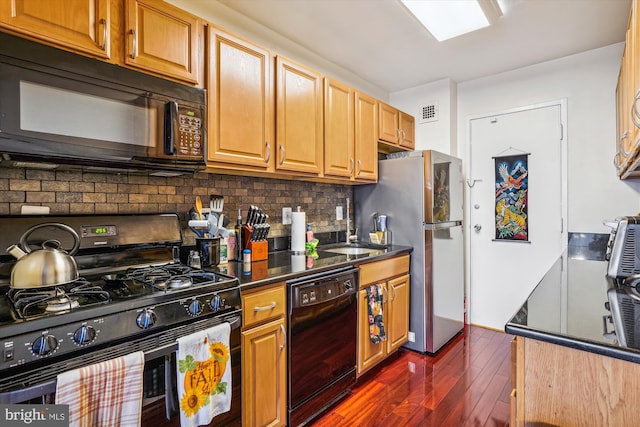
(82, 192)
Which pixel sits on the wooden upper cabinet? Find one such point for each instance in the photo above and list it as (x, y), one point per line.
(77, 25)
(407, 131)
(162, 39)
(240, 100)
(299, 135)
(366, 137)
(396, 129)
(388, 123)
(339, 117)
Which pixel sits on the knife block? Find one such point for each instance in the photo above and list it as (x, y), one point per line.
(259, 250)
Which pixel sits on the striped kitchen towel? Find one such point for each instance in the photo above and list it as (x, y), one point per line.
(374, 306)
(106, 394)
(204, 375)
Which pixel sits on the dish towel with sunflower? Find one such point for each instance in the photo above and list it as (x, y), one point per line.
(374, 305)
(204, 375)
(108, 393)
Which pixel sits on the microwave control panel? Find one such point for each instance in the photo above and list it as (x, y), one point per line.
(189, 132)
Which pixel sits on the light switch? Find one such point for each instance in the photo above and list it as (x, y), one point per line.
(286, 215)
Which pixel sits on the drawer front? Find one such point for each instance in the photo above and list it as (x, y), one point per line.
(263, 305)
(382, 270)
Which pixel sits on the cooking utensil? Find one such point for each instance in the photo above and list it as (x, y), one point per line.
(199, 207)
(216, 203)
(49, 266)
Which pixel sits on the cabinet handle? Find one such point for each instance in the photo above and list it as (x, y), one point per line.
(393, 288)
(352, 165)
(284, 338)
(384, 291)
(266, 307)
(134, 51)
(268, 152)
(359, 167)
(282, 154)
(398, 134)
(105, 33)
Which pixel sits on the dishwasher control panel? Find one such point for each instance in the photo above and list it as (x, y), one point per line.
(323, 288)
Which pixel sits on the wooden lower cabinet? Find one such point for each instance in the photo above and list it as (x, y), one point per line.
(392, 275)
(562, 386)
(264, 357)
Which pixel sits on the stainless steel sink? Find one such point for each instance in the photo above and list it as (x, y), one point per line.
(352, 250)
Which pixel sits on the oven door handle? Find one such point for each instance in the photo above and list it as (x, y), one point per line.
(22, 395)
(48, 387)
(170, 348)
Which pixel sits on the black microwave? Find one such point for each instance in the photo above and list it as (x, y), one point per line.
(61, 108)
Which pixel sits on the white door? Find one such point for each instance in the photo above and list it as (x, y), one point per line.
(503, 273)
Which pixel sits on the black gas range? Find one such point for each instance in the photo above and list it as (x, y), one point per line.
(133, 294)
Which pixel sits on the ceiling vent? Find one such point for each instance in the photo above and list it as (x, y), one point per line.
(428, 113)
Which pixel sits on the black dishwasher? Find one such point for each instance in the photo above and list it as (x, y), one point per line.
(322, 322)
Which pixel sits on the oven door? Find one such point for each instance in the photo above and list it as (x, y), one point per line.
(160, 407)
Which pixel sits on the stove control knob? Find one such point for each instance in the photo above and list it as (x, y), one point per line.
(84, 335)
(215, 303)
(146, 319)
(44, 345)
(195, 307)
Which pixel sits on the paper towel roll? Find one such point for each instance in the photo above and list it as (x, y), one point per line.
(298, 229)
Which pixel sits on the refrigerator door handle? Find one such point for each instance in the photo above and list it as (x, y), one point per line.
(442, 225)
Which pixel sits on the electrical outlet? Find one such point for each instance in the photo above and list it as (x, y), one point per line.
(286, 216)
(412, 336)
(339, 216)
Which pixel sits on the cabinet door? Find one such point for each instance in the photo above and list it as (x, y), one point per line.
(397, 312)
(388, 123)
(299, 118)
(240, 114)
(407, 132)
(369, 354)
(162, 39)
(366, 137)
(78, 25)
(338, 129)
(264, 375)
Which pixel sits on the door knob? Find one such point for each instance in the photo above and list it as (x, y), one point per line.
(477, 227)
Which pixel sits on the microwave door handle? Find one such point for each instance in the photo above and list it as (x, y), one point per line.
(170, 123)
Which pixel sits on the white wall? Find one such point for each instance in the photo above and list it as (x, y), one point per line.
(588, 81)
(437, 135)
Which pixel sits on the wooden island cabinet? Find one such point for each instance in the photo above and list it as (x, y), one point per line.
(393, 277)
(556, 385)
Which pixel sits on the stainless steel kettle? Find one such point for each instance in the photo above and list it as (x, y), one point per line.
(49, 266)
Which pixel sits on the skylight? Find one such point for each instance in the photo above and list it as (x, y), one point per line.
(446, 19)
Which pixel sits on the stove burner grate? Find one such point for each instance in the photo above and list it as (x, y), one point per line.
(170, 277)
(36, 302)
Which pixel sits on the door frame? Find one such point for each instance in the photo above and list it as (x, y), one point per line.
(562, 103)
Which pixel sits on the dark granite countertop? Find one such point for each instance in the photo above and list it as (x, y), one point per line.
(567, 308)
(284, 265)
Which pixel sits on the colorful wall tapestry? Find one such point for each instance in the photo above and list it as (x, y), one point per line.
(512, 188)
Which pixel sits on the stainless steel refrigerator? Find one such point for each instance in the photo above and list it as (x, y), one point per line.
(421, 193)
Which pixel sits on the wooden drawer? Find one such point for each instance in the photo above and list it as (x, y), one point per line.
(383, 270)
(263, 304)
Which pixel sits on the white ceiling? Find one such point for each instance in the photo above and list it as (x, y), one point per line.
(381, 42)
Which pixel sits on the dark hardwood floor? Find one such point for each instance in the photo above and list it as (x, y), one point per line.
(465, 384)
